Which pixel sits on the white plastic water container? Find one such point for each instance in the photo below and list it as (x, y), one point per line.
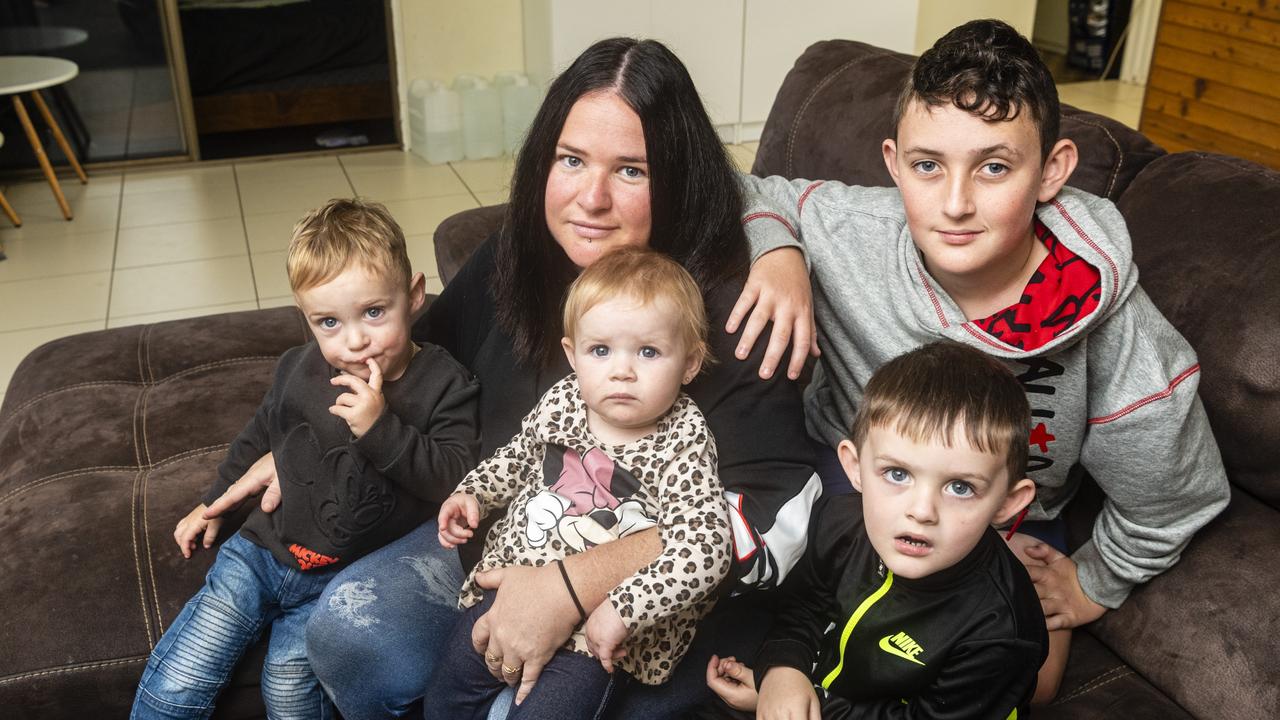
(520, 101)
(505, 78)
(481, 117)
(435, 122)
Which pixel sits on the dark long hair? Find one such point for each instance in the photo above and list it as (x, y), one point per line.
(695, 205)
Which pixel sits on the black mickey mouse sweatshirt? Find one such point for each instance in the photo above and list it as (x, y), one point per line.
(344, 497)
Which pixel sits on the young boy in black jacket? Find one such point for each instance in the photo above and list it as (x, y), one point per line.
(907, 603)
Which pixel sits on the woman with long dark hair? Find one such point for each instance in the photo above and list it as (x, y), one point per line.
(621, 153)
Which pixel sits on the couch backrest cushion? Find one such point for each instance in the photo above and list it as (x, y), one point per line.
(459, 235)
(836, 105)
(831, 113)
(1111, 153)
(1207, 246)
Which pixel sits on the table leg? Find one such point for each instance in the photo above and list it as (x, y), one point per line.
(43, 159)
(58, 136)
(67, 109)
(8, 210)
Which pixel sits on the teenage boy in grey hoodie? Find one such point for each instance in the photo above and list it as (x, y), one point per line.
(982, 243)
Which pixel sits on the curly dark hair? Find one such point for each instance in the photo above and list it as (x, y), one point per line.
(987, 68)
(695, 203)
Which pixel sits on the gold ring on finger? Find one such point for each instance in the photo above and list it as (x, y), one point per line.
(492, 659)
(512, 670)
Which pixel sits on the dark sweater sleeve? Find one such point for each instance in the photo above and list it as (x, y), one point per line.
(428, 458)
(982, 680)
(766, 457)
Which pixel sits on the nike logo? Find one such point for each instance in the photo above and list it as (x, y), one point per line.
(902, 646)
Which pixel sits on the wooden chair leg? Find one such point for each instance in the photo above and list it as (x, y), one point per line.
(78, 133)
(43, 159)
(58, 136)
(8, 210)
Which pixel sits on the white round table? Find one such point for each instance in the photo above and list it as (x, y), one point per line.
(30, 74)
(21, 40)
(51, 40)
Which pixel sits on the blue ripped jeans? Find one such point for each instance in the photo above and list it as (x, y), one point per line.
(381, 626)
(246, 590)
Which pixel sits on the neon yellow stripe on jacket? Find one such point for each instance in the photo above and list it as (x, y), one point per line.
(853, 620)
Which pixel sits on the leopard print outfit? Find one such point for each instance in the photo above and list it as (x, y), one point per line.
(669, 479)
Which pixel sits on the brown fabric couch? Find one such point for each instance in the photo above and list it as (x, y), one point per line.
(107, 438)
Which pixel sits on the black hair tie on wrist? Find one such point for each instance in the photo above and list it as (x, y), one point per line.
(569, 586)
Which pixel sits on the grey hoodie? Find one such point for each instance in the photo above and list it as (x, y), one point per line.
(1116, 392)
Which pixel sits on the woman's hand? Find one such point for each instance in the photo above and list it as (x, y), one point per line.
(260, 477)
(531, 617)
(779, 290)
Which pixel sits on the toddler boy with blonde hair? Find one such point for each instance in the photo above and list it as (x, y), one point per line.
(369, 432)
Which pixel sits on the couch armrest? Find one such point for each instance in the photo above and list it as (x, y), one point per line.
(106, 440)
(459, 235)
(1207, 631)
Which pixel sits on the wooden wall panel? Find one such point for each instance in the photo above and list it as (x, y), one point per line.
(1178, 135)
(1263, 30)
(1265, 9)
(1222, 121)
(1215, 79)
(1206, 68)
(1221, 47)
(1215, 93)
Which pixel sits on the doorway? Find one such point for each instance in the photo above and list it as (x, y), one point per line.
(282, 76)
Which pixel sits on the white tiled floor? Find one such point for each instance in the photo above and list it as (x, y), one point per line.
(1112, 98)
(153, 245)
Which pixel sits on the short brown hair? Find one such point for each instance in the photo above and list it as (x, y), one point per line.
(926, 393)
(330, 238)
(646, 276)
(987, 68)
